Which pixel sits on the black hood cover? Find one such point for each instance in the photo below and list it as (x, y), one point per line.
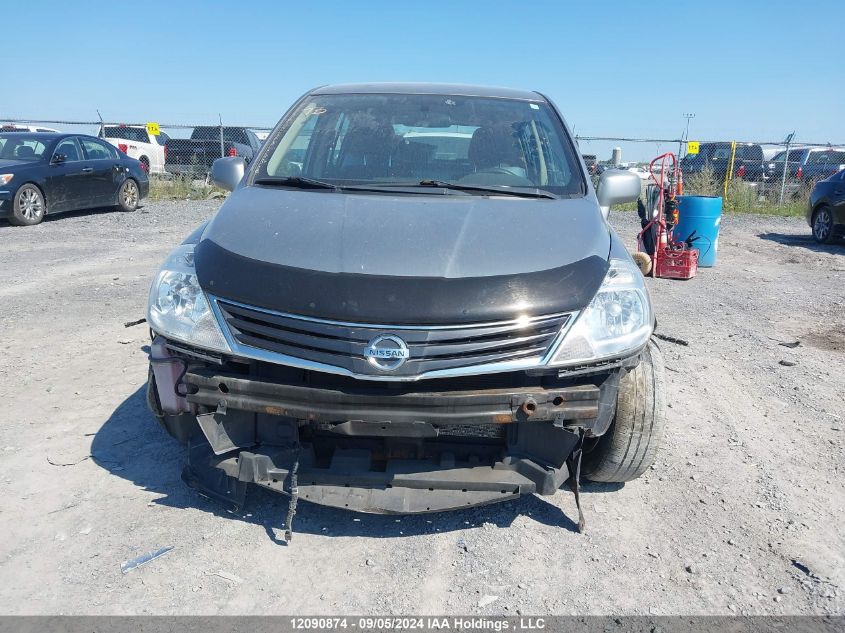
(410, 259)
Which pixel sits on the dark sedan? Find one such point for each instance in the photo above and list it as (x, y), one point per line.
(43, 173)
(826, 211)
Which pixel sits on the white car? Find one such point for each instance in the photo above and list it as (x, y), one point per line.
(643, 172)
(135, 142)
(14, 127)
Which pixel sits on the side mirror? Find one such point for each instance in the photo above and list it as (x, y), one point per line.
(58, 158)
(227, 172)
(617, 186)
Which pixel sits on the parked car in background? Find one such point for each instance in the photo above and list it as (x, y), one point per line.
(137, 143)
(750, 161)
(591, 161)
(44, 173)
(194, 156)
(822, 163)
(807, 164)
(826, 210)
(15, 127)
(642, 172)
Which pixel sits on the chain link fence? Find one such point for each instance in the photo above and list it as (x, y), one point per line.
(751, 176)
(761, 176)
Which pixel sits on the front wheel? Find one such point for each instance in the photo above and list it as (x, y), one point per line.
(630, 445)
(127, 196)
(29, 206)
(823, 225)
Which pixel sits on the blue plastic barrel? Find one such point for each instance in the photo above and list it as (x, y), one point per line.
(702, 214)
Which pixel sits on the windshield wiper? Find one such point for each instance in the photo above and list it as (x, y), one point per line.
(302, 182)
(295, 181)
(521, 192)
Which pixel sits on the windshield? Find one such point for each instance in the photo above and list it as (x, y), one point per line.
(18, 146)
(709, 152)
(393, 139)
(230, 134)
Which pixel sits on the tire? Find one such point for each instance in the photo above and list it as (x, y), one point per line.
(824, 229)
(29, 206)
(145, 164)
(630, 445)
(128, 196)
(643, 262)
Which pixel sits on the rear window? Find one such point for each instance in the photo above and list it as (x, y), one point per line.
(749, 152)
(827, 158)
(403, 139)
(230, 134)
(447, 144)
(137, 134)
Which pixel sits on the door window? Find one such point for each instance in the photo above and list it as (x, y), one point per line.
(97, 150)
(795, 156)
(69, 148)
(19, 147)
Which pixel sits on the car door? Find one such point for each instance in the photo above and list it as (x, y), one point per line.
(66, 179)
(102, 163)
(748, 162)
(718, 159)
(837, 197)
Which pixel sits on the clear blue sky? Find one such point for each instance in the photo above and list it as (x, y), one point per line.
(748, 69)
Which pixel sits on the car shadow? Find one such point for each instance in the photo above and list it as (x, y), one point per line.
(131, 445)
(80, 213)
(804, 241)
(73, 214)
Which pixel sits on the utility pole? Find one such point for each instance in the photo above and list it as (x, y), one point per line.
(222, 151)
(788, 140)
(685, 138)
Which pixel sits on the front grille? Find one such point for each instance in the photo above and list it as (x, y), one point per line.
(431, 348)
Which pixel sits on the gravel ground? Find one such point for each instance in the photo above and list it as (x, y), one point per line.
(742, 513)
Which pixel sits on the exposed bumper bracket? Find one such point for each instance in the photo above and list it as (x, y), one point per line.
(483, 406)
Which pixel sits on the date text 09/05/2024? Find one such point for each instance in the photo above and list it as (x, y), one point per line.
(455, 623)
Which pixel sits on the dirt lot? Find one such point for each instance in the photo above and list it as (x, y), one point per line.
(743, 513)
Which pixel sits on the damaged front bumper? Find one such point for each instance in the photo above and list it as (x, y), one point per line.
(373, 446)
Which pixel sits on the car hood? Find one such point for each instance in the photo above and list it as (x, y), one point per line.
(397, 259)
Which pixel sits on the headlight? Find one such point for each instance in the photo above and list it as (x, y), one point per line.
(5, 179)
(178, 308)
(618, 320)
